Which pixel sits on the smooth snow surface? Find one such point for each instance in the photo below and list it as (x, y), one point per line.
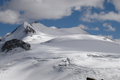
(60, 54)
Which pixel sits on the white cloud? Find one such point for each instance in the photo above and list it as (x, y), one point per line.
(96, 29)
(9, 16)
(83, 27)
(48, 9)
(112, 16)
(116, 4)
(89, 17)
(110, 28)
(108, 0)
(87, 28)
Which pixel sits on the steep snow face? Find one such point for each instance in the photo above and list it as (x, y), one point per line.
(20, 32)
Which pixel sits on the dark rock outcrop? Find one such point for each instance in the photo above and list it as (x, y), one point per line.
(14, 43)
(90, 78)
(36, 22)
(29, 30)
(0, 38)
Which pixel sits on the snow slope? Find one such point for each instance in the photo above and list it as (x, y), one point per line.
(60, 54)
(41, 31)
(56, 31)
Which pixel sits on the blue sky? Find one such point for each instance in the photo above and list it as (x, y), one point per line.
(97, 17)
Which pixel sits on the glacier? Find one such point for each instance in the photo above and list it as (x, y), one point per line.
(59, 54)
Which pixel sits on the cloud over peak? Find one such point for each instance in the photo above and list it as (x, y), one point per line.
(9, 16)
(45, 9)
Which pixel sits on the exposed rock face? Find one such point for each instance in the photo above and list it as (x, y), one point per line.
(14, 43)
(36, 22)
(29, 30)
(90, 78)
(0, 39)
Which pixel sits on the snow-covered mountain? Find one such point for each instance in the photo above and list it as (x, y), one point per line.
(27, 29)
(59, 54)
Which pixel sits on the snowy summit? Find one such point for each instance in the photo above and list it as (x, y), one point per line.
(50, 53)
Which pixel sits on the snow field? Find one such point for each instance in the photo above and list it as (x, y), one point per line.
(60, 54)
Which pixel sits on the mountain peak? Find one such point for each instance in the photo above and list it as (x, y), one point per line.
(36, 22)
(25, 24)
(27, 29)
(20, 32)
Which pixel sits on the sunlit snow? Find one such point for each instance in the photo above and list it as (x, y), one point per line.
(60, 54)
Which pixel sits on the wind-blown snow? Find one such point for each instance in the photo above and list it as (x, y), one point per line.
(60, 54)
